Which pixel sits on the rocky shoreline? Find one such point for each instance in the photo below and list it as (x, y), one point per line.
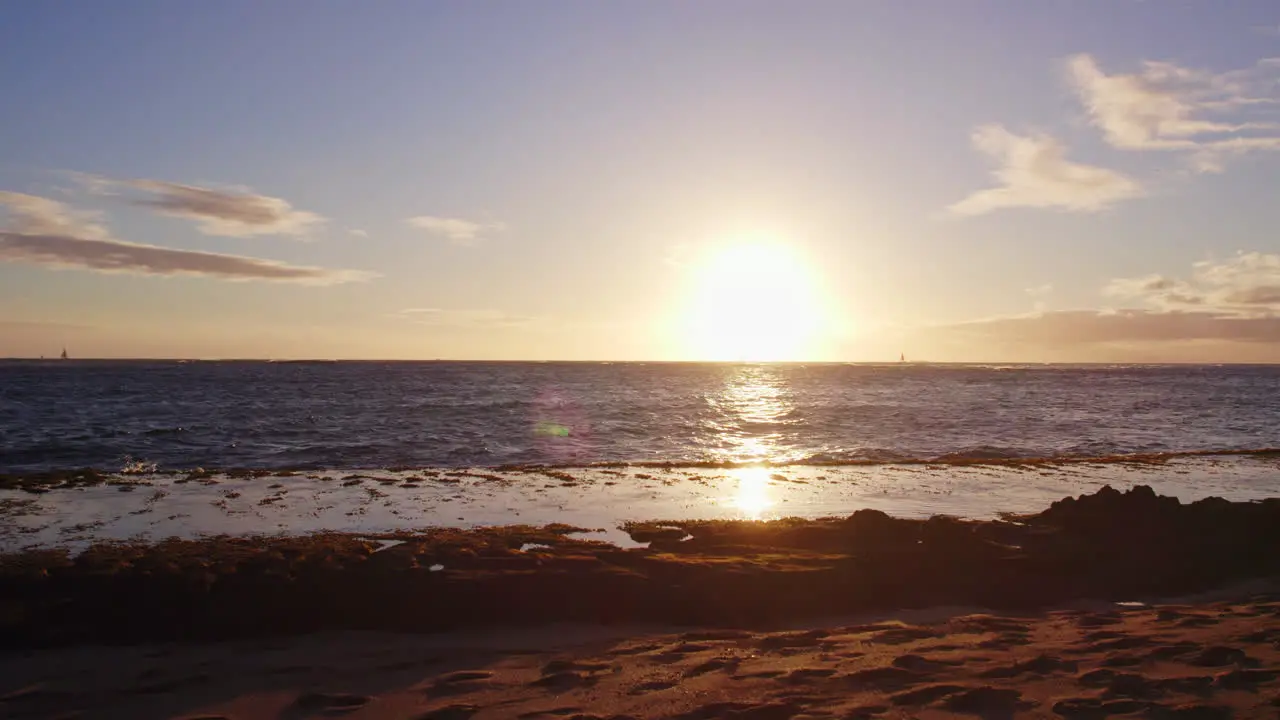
(1108, 545)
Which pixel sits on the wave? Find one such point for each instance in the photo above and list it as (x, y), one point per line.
(977, 456)
(985, 456)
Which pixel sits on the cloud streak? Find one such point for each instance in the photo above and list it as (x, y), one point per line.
(1091, 327)
(219, 212)
(456, 230)
(224, 213)
(440, 317)
(45, 232)
(1247, 285)
(1033, 172)
(1168, 107)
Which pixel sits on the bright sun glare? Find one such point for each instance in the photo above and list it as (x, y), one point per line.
(754, 302)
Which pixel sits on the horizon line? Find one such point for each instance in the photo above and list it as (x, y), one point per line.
(57, 360)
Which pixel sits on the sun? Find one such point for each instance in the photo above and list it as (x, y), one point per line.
(753, 302)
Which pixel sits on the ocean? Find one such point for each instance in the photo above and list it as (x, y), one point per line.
(186, 449)
(333, 415)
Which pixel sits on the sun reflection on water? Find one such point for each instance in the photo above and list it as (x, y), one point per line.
(752, 497)
(753, 413)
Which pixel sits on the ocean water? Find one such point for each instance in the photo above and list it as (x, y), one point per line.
(335, 415)
(373, 448)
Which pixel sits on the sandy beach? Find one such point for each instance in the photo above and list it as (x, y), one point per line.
(1207, 659)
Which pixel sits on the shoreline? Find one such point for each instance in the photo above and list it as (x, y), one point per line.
(1106, 604)
(76, 509)
(1108, 545)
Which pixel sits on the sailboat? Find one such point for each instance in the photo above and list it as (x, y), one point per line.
(64, 353)
(902, 357)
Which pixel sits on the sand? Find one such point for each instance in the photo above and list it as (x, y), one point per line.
(1200, 659)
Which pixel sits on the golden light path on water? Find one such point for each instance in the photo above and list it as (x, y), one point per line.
(754, 407)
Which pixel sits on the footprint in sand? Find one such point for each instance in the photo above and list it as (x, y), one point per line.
(1039, 665)
(728, 663)
(1221, 655)
(925, 695)
(635, 649)
(745, 711)
(557, 666)
(317, 701)
(1239, 679)
(917, 663)
(1138, 687)
(987, 623)
(1121, 661)
(1090, 708)
(1261, 636)
(449, 712)
(1129, 642)
(714, 635)
(1189, 712)
(865, 712)
(884, 679)
(559, 712)
(800, 676)
(987, 702)
(1005, 641)
(462, 681)
(168, 686)
(762, 674)
(1167, 652)
(1097, 620)
(779, 641)
(899, 636)
(651, 686)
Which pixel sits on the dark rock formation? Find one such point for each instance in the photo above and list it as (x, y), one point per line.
(1108, 545)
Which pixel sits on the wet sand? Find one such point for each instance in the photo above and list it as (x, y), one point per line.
(1199, 660)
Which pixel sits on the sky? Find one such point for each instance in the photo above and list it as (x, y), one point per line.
(949, 180)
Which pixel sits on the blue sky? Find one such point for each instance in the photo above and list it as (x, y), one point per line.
(566, 179)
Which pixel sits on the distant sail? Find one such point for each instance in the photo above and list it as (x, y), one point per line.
(64, 353)
(902, 357)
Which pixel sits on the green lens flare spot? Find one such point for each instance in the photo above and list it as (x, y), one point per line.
(553, 429)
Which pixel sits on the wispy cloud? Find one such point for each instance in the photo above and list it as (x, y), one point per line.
(1032, 171)
(465, 318)
(1231, 301)
(457, 230)
(1168, 107)
(230, 214)
(1087, 327)
(222, 212)
(1247, 285)
(45, 232)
